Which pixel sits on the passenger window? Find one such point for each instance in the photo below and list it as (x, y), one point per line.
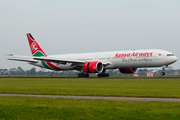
(170, 55)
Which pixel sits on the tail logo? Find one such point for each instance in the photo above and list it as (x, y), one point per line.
(34, 47)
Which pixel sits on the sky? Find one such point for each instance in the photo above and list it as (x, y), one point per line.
(75, 26)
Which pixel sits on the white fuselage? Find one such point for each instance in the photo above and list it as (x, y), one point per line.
(119, 59)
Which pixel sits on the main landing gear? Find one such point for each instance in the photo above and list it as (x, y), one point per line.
(82, 75)
(103, 75)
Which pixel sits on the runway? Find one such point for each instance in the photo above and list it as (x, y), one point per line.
(98, 77)
(97, 97)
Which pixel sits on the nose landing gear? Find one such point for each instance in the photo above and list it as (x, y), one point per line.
(163, 73)
(163, 70)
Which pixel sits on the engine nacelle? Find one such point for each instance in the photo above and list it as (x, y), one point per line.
(127, 70)
(93, 67)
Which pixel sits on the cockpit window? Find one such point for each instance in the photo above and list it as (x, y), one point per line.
(170, 55)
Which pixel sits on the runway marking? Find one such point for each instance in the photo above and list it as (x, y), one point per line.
(97, 97)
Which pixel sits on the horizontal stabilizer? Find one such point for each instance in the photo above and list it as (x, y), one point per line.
(20, 56)
(23, 60)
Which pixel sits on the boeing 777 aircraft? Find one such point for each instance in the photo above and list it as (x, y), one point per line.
(98, 62)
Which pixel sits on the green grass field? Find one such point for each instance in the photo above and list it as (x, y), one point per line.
(25, 108)
(169, 88)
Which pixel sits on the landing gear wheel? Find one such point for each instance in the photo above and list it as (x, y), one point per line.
(107, 75)
(103, 75)
(162, 73)
(82, 75)
(99, 75)
(87, 75)
(78, 75)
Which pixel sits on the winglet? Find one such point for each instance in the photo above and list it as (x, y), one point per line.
(36, 50)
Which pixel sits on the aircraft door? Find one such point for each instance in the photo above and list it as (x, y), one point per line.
(155, 56)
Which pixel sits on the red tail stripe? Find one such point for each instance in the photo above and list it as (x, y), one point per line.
(34, 46)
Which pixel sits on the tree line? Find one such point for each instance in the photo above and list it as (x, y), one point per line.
(33, 71)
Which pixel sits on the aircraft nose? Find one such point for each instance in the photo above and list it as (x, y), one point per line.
(172, 59)
(175, 58)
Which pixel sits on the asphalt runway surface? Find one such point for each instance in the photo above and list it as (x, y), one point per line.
(100, 77)
(97, 97)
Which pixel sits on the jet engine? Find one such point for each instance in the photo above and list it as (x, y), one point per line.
(127, 70)
(93, 67)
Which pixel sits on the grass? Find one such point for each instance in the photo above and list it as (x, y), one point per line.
(48, 108)
(165, 88)
(68, 109)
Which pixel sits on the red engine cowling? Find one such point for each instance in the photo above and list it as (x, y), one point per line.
(93, 67)
(127, 70)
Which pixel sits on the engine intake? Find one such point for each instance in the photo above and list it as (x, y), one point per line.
(127, 70)
(93, 67)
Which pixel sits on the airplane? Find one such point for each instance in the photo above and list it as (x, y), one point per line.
(97, 62)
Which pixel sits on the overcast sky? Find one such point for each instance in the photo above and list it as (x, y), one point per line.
(74, 26)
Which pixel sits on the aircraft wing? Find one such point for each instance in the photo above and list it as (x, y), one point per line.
(47, 59)
(51, 59)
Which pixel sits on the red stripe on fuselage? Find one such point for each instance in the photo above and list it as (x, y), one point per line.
(53, 66)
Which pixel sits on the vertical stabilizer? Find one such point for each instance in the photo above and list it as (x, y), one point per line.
(36, 50)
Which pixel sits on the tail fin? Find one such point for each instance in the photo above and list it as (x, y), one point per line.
(36, 50)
